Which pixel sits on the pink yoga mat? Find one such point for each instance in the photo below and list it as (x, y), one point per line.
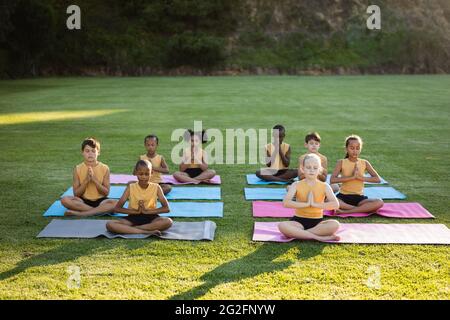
(407, 210)
(169, 179)
(368, 233)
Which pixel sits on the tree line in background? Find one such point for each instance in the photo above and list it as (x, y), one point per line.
(144, 37)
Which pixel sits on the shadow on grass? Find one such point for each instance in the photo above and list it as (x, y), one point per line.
(67, 252)
(258, 262)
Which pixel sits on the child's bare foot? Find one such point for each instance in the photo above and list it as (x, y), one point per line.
(333, 237)
(154, 233)
(71, 213)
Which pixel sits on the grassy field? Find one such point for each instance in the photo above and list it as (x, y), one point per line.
(404, 121)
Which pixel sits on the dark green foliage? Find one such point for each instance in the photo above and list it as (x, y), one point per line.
(146, 36)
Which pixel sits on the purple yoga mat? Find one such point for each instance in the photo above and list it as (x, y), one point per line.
(169, 179)
(406, 210)
(368, 233)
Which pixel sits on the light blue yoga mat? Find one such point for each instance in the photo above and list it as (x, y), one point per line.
(367, 176)
(177, 193)
(177, 209)
(252, 179)
(386, 193)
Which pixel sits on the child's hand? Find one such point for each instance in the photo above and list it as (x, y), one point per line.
(90, 173)
(357, 174)
(310, 199)
(141, 207)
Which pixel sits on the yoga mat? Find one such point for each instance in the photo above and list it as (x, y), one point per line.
(84, 228)
(252, 179)
(169, 179)
(177, 193)
(407, 210)
(177, 209)
(366, 175)
(376, 233)
(387, 193)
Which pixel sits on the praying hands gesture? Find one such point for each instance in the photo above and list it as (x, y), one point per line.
(356, 173)
(311, 201)
(141, 207)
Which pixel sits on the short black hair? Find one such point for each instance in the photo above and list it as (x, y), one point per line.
(142, 163)
(190, 133)
(152, 136)
(279, 127)
(312, 136)
(91, 142)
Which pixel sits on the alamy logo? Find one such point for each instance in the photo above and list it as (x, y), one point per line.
(374, 21)
(74, 20)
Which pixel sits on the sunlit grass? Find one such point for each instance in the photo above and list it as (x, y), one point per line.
(28, 117)
(404, 121)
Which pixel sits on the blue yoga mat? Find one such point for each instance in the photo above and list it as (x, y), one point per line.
(177, 193)
(386, 193)
(366, 175)
(252, 179)
(177, 209)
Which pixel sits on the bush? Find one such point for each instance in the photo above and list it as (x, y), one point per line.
(194, 49)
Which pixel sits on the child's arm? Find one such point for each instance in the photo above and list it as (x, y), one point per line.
(164, 168)
(331, 203)
(79, 186)
(286, 159)
(164, 204)
(323, 175)
(269, 158)
(300, 166)
(185, 162)
(375, 178)
(119, 205)
(204, 164)
(335, 175)
(103, 186)
(289, 203)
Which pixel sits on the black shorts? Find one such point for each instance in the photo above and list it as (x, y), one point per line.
(193, 172)
(280, 172)
(307, 223)
(93, 203)
(140, 219)
(351, 199)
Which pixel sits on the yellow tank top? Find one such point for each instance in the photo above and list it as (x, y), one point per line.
(156, 162)
(318, 190)
(352, 186)
(277, 163)
(187, 155)
(100, 170)
(149, 196)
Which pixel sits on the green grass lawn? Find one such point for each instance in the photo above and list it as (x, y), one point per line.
(404, 121)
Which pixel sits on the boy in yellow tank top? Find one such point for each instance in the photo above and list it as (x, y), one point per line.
(312, 196)
(350, 173)
(278, 159)
(158, 162)
(194, 166)
(143, 214)
(312, 144)
(90, 184)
